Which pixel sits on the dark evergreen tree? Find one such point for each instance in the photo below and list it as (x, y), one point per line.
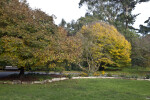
(63, 23)
(145, 29)
(116, 12)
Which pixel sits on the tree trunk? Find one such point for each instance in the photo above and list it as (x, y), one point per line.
(126, 15)
(21, 72)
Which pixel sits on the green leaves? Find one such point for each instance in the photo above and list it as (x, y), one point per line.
(144, 30)
(25, 34)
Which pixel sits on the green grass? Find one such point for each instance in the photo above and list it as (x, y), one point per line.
(83, 89)
(136, 71)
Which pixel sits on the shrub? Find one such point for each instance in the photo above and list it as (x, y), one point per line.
(147, 76)
(84, 74)
(109, 75)
(59, 69)
(134, 76)
(122, 75)
(69, 76)
(103, 72)
(96, 74)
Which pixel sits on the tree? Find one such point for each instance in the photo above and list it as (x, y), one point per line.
(24, 33)
(104, 46)
(29, 39)
(75, 26)
(142, 52)
(63, 23)
(115, 12)
(62, 51)
(144, 30)
(13, 50)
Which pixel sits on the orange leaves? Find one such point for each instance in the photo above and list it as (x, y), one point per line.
(68, 46)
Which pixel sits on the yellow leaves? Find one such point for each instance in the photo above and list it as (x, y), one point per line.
(59, 61)
(103, 72)
(84, 28)
(52, 66)
(109, 45)
(11, 44)
(68, 64)
(96, 74)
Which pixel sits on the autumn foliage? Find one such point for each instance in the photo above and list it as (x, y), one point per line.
(104, 46)
(29, 39)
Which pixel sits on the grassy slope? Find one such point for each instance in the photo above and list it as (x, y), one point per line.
(85, 89)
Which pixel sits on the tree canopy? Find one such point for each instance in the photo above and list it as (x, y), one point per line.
(144, 30)
(104, 46)
(29, 38)
(116, 12)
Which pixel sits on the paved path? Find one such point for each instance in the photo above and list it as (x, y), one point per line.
(4, 74)
(60, 79)
(7, 73)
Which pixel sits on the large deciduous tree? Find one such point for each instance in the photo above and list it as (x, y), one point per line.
(104, 46)
(24, 33)
(29, 38)
(62, 51)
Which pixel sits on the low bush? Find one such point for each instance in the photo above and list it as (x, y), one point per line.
(134, 76)
(69, 76)
(122, 75)
(83, 74)
(147, 76)
(103, 72)
(109, 75)
(96, 74)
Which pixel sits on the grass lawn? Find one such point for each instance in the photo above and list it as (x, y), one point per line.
(83, 89)
(137, 71)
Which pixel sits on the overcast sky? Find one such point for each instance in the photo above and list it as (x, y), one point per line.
(69, 9)
(144, 9)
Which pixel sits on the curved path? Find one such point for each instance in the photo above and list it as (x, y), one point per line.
(7, 73)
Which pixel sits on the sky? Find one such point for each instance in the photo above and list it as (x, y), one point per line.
(69, 10)
(144, 10)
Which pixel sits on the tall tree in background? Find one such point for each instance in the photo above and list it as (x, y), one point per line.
(112, 11)
(74, 26)
(142, 52)
(144, 30)
(62, 23)
(115, 12)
